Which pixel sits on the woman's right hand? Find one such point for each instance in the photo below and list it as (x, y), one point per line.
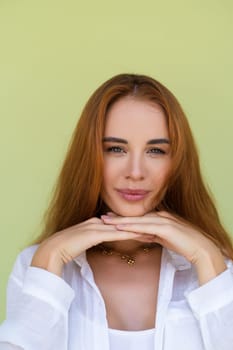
(63, 246)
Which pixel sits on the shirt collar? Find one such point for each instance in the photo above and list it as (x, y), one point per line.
(81, 259)
(177, 260)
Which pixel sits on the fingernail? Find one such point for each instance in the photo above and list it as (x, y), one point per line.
(110, 213)
(105, 217)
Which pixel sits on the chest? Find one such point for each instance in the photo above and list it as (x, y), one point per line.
(130, 296)
(175, 324)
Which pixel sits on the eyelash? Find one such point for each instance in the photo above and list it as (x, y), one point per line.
(117, 149)
(158, 151)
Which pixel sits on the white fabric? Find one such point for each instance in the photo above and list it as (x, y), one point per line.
(7, 346)
(47, 312)
(131, 340)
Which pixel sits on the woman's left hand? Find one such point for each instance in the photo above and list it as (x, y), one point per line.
(177, 235)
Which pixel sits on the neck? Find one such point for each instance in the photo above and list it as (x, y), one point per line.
(127, 247)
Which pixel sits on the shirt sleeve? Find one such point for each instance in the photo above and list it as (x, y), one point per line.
(212, 305)
(7, 346)
(38, 303)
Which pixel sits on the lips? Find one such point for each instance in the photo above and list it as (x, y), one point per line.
(133, 194)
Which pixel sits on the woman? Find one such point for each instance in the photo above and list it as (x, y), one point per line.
(133, 255)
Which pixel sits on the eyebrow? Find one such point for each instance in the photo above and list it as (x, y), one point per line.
(150, 142)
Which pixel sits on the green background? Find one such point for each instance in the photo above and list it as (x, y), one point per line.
(53, 54)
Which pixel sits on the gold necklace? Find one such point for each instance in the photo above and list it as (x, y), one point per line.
(129, 259)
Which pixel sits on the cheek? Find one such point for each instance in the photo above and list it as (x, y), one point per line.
(161, 173)
(107, 178)
(111, 173)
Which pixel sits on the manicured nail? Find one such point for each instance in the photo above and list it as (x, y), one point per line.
(105, 217)
(110, 213)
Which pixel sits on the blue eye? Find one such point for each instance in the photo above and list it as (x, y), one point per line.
(115, 149)
(156, 151)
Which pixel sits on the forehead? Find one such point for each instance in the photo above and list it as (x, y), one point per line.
(133, 116)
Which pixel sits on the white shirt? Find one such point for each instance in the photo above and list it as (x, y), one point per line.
(131, 340)
(47, 312)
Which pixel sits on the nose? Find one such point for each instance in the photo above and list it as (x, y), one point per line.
(135, 168)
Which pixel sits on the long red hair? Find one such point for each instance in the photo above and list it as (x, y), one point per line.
(77, 193)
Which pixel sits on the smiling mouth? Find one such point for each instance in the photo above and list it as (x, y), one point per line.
(133, 195)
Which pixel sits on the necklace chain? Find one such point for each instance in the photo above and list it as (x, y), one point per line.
(129, 259)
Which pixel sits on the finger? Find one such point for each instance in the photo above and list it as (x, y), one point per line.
(151, 213)
(169, 218)
(119, 236)
(132, 219)
(148, 233)
(142, 228)
(146, 239)
(174, 217)
(111, 214)
(92, 220)
(108, 233)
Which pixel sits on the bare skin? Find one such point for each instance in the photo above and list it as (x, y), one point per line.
(126, 288)
(162, 228)
(137, 159)
(172, 233)
(62, 247)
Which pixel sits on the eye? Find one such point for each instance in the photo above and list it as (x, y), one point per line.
(114, 149)
(156, 151)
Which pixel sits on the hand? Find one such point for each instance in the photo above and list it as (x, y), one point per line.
(62, 247)
(177, 235)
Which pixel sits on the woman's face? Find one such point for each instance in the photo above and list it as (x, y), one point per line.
(136, 156)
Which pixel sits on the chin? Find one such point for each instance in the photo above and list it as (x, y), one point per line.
(131, 211)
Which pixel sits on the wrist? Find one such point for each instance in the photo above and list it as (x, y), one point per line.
(209, 265)
(48, 258)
